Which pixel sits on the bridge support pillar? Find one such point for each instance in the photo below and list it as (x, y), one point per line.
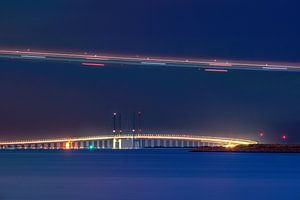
(87, 144)
(152, 143)
(76, 146)
(164, 143)
(45, 146)
(81, 146)
(146, 143)
(120, 143)
(188, 143)
(114, 143)
(158, 143)
(143, 143)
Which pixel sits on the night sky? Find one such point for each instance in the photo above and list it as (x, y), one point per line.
(54, 99)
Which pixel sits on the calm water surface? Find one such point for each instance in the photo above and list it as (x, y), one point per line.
(148, 174)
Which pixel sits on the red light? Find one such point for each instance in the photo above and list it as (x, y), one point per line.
(93, 64)
(284, 137)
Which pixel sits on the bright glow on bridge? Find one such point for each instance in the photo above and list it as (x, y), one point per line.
(126, 141)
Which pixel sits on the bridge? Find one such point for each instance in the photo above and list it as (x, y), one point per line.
(126, 141)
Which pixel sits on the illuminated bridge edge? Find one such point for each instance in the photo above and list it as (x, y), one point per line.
(116, 141)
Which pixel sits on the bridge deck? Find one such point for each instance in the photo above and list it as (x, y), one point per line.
(222, 141)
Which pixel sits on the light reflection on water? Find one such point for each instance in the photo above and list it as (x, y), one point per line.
(148, 174)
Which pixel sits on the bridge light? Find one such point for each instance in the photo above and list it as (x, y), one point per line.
(229, 145)
(68, 145)
(91, 147)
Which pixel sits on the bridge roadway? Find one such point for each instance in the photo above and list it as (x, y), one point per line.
(126, 141)
(99, 61)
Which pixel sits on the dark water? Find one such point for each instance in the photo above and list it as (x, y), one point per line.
(148, 174)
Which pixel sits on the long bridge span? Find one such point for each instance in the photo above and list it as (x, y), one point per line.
(126, 141)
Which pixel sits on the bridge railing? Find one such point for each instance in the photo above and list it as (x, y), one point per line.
(135, 136)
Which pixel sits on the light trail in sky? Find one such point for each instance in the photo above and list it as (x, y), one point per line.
(109, 60)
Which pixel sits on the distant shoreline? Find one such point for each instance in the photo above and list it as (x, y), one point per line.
(253, 148)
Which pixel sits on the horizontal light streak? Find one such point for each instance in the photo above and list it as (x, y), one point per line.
(220, 64)
(169, 62)
(93, 64)
(152, 63)
(37, 57)
(216, 70)
(275, 68)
